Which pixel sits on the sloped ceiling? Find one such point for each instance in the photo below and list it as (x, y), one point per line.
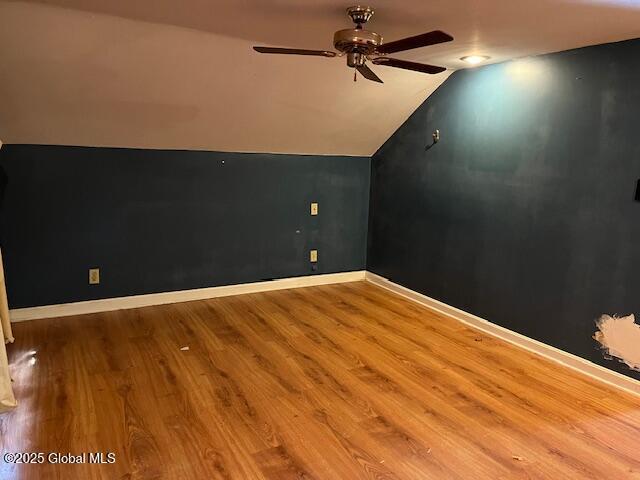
(181, 73)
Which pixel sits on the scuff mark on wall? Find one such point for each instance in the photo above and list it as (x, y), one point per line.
(619, 338)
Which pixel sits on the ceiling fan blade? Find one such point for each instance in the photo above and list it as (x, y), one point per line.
(295, 51)
(424, 40)
(367, 73)
(416, 67)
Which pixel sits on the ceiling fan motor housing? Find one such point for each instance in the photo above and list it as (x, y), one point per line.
(354, 40)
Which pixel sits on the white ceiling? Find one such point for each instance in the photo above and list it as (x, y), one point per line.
(181, 73)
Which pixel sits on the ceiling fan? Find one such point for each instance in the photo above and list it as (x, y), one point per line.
(360, 45)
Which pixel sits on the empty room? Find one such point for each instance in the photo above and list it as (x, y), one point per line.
(283, 239)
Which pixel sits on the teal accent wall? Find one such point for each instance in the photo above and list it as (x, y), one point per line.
(524, 212)
(166, 220)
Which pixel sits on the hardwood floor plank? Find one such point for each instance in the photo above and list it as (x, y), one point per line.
(475, 403)
(337, 381)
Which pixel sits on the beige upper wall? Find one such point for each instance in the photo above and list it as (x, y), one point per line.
(181, 73)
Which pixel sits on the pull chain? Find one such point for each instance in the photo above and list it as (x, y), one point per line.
(355, 72)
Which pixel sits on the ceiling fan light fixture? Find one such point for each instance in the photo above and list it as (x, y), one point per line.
(475, 59)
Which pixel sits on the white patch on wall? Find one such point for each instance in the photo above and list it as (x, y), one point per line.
(620, 339)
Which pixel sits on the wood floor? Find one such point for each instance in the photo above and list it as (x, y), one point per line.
(335, 382)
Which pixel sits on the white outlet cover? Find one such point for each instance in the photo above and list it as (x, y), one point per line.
(94, 276)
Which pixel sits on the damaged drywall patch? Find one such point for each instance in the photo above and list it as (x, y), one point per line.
(620, 338)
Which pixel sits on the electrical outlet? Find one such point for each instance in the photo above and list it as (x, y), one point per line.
(313, 256)
(94, 276)
(314, 208)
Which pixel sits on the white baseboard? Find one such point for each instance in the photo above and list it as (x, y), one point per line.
(566, 359)
(108, 304)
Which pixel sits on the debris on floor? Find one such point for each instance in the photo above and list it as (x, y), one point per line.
(185, 349)
(518, 458)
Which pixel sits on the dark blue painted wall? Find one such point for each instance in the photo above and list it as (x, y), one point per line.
(524, 213)
(158, 221)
